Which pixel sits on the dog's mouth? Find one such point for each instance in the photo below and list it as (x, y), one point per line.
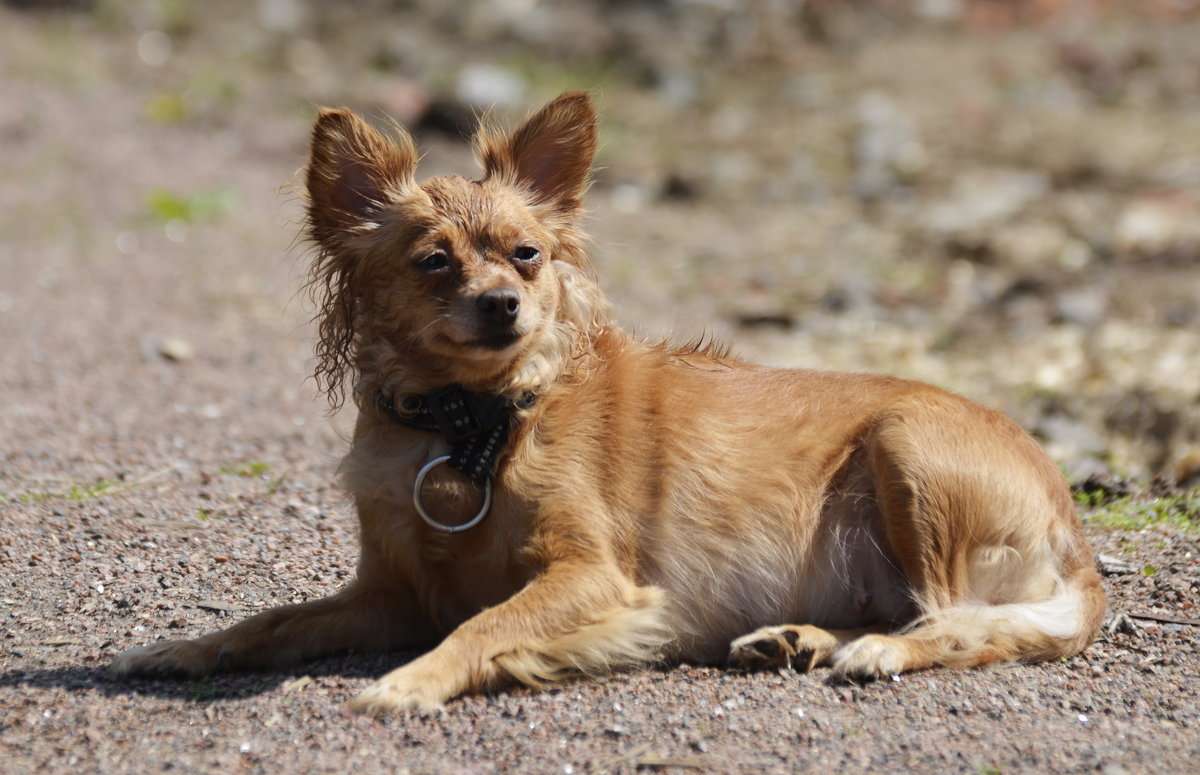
(497, 341)
(491, 341)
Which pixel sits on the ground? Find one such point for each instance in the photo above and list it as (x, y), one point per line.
(1001, 198)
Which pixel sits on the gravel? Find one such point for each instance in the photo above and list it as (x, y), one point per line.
(165, 468)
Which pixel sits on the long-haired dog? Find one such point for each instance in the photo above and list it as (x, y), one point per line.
(542, 495)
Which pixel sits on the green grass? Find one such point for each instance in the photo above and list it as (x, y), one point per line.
(167, 108)
(1140, 512)
(75, 492)
(165, 206)
(208, 90)
(255, 469)
(87, 492)
(249, 468)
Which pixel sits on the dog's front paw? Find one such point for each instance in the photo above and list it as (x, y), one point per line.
(395, 694)
(172, 658)
(799, 646)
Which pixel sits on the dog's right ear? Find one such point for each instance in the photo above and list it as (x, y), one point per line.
(352, 172)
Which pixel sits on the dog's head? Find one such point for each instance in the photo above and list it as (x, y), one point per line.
(450, 281)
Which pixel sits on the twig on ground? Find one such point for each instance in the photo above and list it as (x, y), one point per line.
(1165, 618)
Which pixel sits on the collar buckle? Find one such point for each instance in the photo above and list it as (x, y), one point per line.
(453, 414)
(475, 425)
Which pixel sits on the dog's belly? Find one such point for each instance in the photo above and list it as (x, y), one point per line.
(837, 571)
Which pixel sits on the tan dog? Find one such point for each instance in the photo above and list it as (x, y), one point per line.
(642, 502)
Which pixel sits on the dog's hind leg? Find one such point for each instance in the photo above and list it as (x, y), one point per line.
(984, 532)
(984, 529)
(356, 619)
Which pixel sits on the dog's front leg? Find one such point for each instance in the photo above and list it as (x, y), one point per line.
(357, 619)
(574, 617)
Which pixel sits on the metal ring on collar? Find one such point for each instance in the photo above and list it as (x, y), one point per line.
(483, 510)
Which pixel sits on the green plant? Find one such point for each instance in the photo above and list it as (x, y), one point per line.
(1090, 499)
(74, 492)
(165, 206)
(84, 492)
(255, 468)
(249, 468)
(1132, 512)
(204, 515)
(273, 484)
(80, 492)
(166, 108)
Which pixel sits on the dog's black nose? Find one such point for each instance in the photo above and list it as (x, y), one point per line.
(500, 306)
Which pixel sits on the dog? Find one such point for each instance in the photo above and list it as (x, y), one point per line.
(541, 495)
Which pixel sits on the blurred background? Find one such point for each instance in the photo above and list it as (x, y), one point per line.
(1001, 197)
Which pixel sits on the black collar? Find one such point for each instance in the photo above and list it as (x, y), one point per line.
(476, 425)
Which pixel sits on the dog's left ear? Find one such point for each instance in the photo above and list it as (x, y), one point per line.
(353, 172)
(550, 154)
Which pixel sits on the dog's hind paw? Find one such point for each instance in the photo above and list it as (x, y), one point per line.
(871, 657)
(798, 646)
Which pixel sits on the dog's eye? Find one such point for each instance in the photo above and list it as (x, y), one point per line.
(434, 262)
(526, 254)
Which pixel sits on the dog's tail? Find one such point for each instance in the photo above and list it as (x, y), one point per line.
(979, 633)
(1000, 619)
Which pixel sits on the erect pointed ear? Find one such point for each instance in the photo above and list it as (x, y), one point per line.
(352, 171)
(550, 154)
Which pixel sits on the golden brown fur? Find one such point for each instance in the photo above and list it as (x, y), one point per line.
(654, 502)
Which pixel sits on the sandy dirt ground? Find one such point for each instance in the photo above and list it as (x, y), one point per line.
(1002, 198)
